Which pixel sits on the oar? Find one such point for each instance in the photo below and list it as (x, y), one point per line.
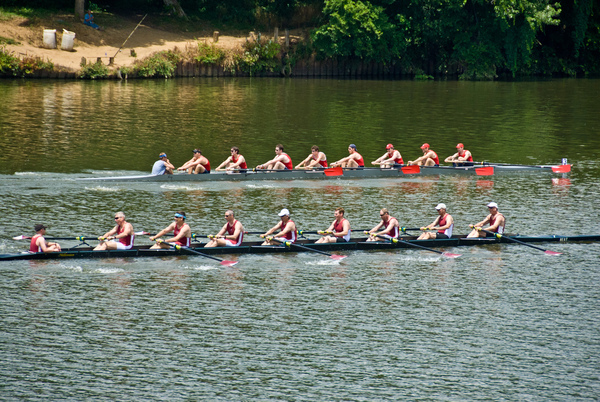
(221, 261)
(498, 235)
(443, 253)
(332, 256)
(78, 238)
(556, 169)
(334, 171)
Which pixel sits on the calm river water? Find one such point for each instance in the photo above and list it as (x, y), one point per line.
(499, 323)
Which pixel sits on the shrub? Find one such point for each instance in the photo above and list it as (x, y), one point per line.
(94, 71)
(258, 56)
(9, 64)
(161, 64)
(209, 54)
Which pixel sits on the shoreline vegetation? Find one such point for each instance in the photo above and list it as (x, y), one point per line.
(332, 38)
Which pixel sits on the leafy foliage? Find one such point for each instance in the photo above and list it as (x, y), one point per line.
(258, 56)
(94, 71)
(161, 64)
(209, 54)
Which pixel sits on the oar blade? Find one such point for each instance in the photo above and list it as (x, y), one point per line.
(485, 171)
(450, 255)
(228, 263)
(412, 169)
(335, 171)
(21, 237)
(337, 257)
(561, 169)
(550, 252)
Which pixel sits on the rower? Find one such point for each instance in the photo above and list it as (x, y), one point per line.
(388, 223)
(354, 160)
(444, 224)
(182, 234)
(234, 162)
(162, 165)
(429, 157)
(118, 238)
(197, 165)
(234, 230)
(38, 242)
(339, 231)
(281, 161)
(287, 230)
(462, 157)
(495, 219)
(316, 159)
(390, 159)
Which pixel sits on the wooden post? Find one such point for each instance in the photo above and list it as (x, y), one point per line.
(287, 38)
(111, 61)
(99, 60)
(83, 62)
(215, 36)
(276, 35)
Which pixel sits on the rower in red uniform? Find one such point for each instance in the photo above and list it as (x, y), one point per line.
(118, 238)
(339, 231)
(182, 234)
(234, 230)
(198, 164)
(234, 162)
(429, 157)
(287, 230)
(389, 159)
(495, 219)
(462, 157)
(281, 161)
(38, 242)
(388, 223)
(444, 224)
(354, 160)
(316, 159)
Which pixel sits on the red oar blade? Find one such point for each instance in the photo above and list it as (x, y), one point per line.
(485, 171)
(549, 252)
(336, 171)
(561, 168)
(412, 169)
(338, 257)
(450, 255)
(228, 263)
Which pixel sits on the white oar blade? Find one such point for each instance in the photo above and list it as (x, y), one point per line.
(21, 237)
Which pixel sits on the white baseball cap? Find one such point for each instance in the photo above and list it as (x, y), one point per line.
(492, 205)
(440, 206)
(284, 212)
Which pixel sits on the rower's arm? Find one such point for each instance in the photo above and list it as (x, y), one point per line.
(225, 162)
(376, 228)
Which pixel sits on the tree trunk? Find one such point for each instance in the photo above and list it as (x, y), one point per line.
(174, 5)
(79, 9)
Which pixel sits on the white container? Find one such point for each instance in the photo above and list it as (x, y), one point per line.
(68, 40)
(50, 38)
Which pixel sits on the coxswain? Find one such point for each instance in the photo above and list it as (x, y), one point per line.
(230, 235)
(316, 159)
(197, 165)
(234, 162)
(390, 159)
(118, 238)
(462, 157)
(388, 228)
(443, 225)
(354, 160)
(281, 161)
(38, 242)
(182, 234)
(339, 231)
(162, 165)
(287, 230)
(495, 219)
(429, 157)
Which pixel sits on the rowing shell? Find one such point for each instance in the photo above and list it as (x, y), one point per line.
(339, 173)
(256, 248)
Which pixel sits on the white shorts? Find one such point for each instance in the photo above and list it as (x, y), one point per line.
(230, 243)
(121, 246)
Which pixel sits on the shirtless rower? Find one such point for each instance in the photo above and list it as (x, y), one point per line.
(316, 159)
(462, 157)
(182, 234)
(230, 235)
(38, 242)
(281, 161)
(354, 160)
(118, 238)
(429, 157)
(162, 165)
(389, 159)
(197, 165)
(444, 224)
(234, 162)
(339, 231)
(495, 219)
(287, 230)
(389, 224)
